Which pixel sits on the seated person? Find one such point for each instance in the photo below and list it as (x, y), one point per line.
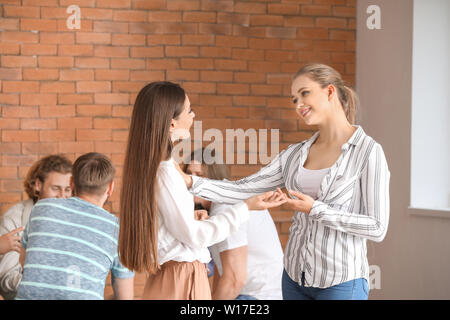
(49, 177)
(71, 244)
(249, 263)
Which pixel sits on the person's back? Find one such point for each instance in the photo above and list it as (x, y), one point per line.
(265, 254)
(71, 246)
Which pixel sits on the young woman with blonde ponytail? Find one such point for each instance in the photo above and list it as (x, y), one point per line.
(159, 233)
(338, 183)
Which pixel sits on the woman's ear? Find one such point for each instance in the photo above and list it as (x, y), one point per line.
(172, 126)
(331, 92)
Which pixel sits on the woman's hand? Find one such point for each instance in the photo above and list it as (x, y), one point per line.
(267, 200)
(303, 203)
(11, 241)
(201, 214)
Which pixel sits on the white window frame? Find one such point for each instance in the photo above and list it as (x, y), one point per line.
(430, 74)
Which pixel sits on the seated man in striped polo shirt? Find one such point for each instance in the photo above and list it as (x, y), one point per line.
(71, 244)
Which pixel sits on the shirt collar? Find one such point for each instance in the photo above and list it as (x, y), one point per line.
(356, 136)
(354, 139)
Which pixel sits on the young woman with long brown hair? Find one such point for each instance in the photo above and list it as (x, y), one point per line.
(338, 182)
(158, 231)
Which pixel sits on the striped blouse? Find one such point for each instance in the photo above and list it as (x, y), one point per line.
(329, 243)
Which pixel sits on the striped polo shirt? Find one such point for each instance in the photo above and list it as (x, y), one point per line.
(328, 245)
(71, 245)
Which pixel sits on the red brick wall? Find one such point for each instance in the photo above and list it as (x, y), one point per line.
(72, 91)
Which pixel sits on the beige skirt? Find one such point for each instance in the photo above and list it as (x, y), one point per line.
(178, 281)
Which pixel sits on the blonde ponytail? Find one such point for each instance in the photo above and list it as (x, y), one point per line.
(350, 104)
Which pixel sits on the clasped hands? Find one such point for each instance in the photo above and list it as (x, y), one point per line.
(301, 202)
(271, 199)
(263, 201)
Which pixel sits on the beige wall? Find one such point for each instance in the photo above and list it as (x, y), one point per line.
(414, 258)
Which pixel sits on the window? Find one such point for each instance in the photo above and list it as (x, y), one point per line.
(430, 127)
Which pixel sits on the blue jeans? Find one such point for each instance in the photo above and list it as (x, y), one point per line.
(245, 297)
(356, 289)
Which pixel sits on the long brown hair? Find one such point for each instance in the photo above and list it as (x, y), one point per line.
(326, 75)
(149, 143)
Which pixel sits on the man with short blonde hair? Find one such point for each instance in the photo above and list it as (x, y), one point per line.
(92, 174)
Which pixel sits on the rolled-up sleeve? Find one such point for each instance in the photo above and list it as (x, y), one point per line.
(119, 271)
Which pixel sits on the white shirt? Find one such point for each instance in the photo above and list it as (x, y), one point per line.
(329, 243)
(310, 180)
(10, 268)
(180, 236)
(265, 254)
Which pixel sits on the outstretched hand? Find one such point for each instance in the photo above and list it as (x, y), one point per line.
(303, 203)
(11, 241)
(266, 200)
